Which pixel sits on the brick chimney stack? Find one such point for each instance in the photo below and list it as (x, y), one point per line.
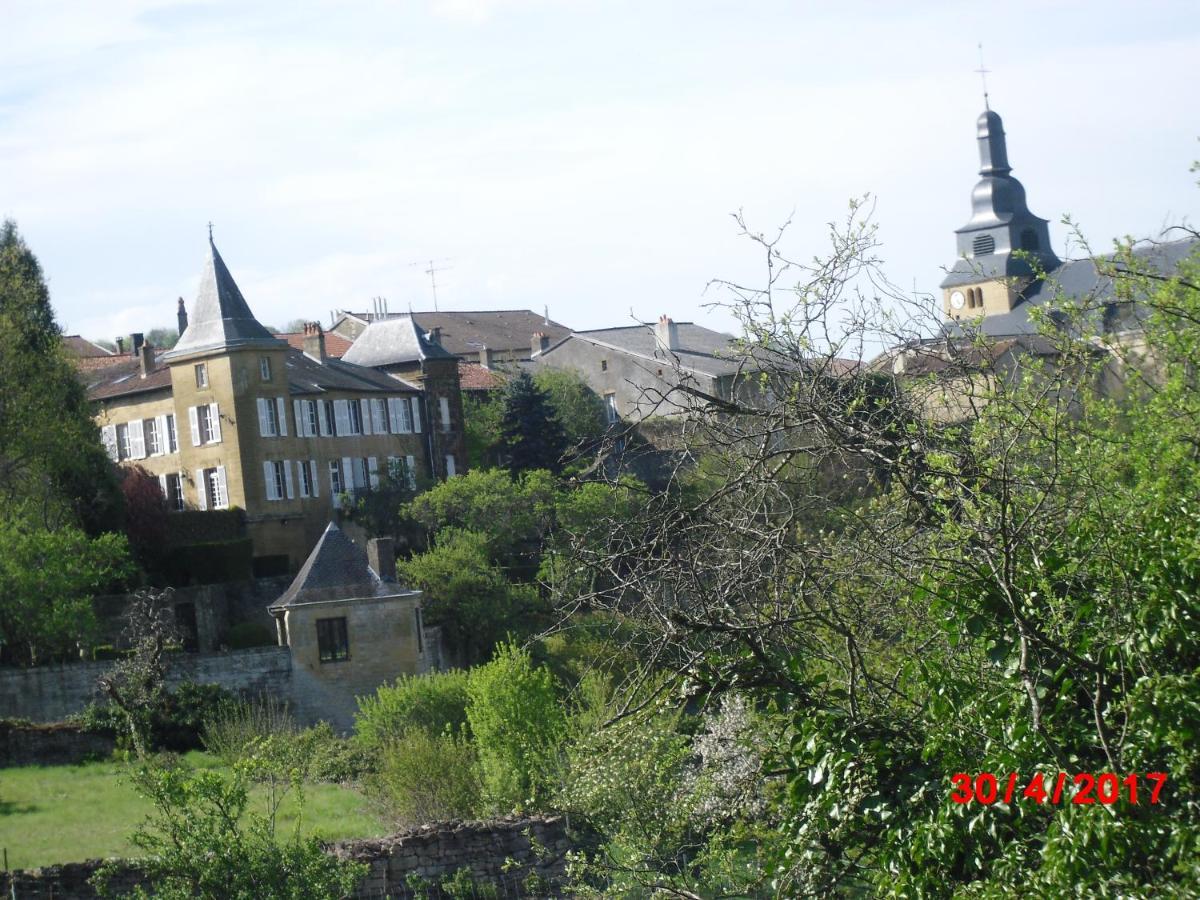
(666, 335)
(181, 317)
(485, 356)
(314, 341)
(145, 359)
(540, 343)
(381, 556)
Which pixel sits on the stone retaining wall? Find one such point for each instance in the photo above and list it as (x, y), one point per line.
(499, 853)
(59, 744)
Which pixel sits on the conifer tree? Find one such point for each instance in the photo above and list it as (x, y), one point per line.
(532, 436)
(52, 465)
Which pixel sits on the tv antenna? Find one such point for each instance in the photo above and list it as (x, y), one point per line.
(432, 271)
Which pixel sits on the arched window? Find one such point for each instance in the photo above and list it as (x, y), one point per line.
(984, 244)
(1029, 240)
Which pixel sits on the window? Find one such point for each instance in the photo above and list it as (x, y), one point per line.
(310, 411)
(330, 418)
(172, 437)
(444, 407)
(337, 485)
(154, 444)
(400, 415)
(984, 244)
(201, 375)
(610, 408)
(604, 365)
(276, 479)
(451, 470)
(123, 451)
(264, 368)
(210, 488)
(306, 478)
(174, 492)
(333, 644)
(206, 422)
(362, 472)
(268, 417)
(355, 417)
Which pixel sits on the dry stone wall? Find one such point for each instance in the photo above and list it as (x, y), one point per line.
(518, 857)
(59, 744)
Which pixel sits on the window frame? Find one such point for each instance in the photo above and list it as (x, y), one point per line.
(333, 640)
(174, 498)
(354, 416)
(202, 375)
(124, 447)
(264, 368)
(172, 434)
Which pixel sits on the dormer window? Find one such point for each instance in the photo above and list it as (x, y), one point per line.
(983, 245)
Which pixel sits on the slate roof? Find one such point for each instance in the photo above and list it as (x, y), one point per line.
(307, 376)
(1075, 279)
(387, 342)
(336, 569)
(124, 378)
(701, 349)
(335, 345)
(82, 348)
(220, 317)
(497, 329)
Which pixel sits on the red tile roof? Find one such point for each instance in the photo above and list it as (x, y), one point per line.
(474, 377)
(335, 345)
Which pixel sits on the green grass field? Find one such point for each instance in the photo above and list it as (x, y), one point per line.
(58, 814)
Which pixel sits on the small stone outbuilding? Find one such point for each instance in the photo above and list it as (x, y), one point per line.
(350, 627)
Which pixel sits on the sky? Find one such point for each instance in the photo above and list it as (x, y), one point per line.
(579, 156)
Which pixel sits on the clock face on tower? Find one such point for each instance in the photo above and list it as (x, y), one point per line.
(957, 300)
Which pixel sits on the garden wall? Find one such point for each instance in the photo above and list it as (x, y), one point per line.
(431, 853)
(54, 693)
(60, 744)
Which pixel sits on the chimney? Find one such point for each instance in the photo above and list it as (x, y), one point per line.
(540, 343)
(181, 317)
(314, 341)
(666, 335)
(485, 356)
(121, 346)
(381, 555)
(138, 339)
(146, 358)
(435, 334)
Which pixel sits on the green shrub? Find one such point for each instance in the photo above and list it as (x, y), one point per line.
(426, 777)
(518, 723)
(234, 727)
(175, 724)
(434, 702)
(249, 634)
(106, 652)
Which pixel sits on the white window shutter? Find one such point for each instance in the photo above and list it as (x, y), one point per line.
(269, 479)
(416, 411)
(323, 420)
(347, 473)
(394, 414)
(410, 472)
(201, 489)
(216, 423)
(373, 469)
(298, 412)
(287, 479)
(450, 470)
(341, 413)
(364, 409)
(444, 406)
(281, 409)
(316, 485)
(162, 485)
(164, 445)
(264, 423)
(108, 436)
(137, 440)
(222, 488)
(393, 466)
(194, 420)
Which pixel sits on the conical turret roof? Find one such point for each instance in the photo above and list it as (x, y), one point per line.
(336, 569)
(220, 317)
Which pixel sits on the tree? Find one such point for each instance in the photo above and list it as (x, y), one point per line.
(999, 579)
(162, 338)
(531, 434)
(145, 517)
(47, 581)
(52, 465)
(518, 725)
(579, 409)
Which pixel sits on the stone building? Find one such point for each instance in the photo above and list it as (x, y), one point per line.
(234, 417)
(349, 627)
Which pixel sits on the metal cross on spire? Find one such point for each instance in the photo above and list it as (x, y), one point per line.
(983, 74)
(210, 231)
